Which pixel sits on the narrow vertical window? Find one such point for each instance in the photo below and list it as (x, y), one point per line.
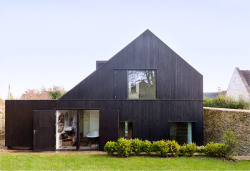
(125, 130)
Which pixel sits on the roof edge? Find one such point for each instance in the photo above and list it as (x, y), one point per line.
(243, 79)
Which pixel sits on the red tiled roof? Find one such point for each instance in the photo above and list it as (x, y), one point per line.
(246, 75)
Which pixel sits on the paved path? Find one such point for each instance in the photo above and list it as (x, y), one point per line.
(242, 157)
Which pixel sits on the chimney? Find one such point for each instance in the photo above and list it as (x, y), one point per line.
(99, 64)
(219, 90)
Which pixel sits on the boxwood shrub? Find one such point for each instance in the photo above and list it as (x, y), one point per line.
(147, 147)
(173, 147)
(200, 149)
(110, 147)
(215, 149)
(183, 150)
(191, 149)
(163, 148)
(124, 147)
(136, 146)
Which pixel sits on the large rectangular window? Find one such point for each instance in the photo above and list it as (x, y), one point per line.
(70, 137)
(141, 84)
(181, 132)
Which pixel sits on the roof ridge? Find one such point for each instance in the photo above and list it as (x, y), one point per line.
(246, 75)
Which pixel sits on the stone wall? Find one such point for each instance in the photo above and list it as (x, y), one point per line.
(218, 120)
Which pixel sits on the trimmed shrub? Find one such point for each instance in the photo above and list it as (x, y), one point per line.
(188, 149)
(110, 147)
(231, 143)
(200, 149)
(215, 149)
(191, 149)
(124, 147)
(173, 147)
(136, 146)
(147, 147)
(161, 148)
(183, 150)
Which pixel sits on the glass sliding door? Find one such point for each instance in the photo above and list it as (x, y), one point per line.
(89, 129)
(71, 137)
(66, 129)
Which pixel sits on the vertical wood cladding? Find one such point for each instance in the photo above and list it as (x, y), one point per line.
(179, 94)
(44, 130)
(150, 117)
(109, 120)
(176, 79)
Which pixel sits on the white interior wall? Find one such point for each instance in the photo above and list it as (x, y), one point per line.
(90, 121)
(58, 141)
(94, 120)
(86, 122)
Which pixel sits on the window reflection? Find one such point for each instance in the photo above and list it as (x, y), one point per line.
(141, 84)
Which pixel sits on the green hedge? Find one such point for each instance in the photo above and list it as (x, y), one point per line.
(124, 147)
(147, 147)
(222, 101)
(137, 146)
(162, 148)
(215, 149)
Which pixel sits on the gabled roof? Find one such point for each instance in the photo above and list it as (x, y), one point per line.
(246, 75)
(147, 51)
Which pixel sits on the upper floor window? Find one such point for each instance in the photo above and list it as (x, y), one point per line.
(141, 84)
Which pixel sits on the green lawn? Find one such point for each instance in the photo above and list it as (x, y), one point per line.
(103, 162)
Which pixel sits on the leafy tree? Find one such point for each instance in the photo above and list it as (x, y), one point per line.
(56, 94)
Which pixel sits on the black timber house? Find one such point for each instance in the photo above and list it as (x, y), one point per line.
(145, 91)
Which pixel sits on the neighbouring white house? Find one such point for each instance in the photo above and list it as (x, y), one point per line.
(239, 85)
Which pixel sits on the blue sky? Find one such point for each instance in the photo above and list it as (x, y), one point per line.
(56, 42)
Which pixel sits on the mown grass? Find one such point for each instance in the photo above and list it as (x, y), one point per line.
(103, 162)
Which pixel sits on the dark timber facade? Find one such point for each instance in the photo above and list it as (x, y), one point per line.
(178, 99)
